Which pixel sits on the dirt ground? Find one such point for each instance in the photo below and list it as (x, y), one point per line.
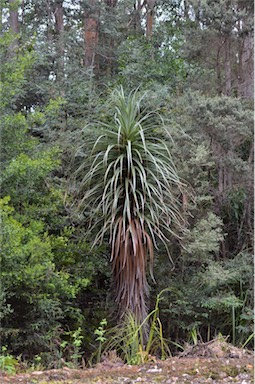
(212, 363)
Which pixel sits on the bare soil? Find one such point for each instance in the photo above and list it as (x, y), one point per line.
(212, 362)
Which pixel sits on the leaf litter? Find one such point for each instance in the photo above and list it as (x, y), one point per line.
(212, 362)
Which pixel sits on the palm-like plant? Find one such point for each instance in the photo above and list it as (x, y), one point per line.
(130, 188)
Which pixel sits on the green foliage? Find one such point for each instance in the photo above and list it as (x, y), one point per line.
(38, 287)
(201, 292)
(251, 337)
(37, 293)
(100, 333)
(204, 238)
(71, 349)
(129, 340)
(24, 170)
(13, 72)
(214, 151)
(14, 136)
(129, 146)
(140, 63)
(7, 362)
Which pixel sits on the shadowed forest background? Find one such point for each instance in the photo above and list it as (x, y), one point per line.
(60, 62)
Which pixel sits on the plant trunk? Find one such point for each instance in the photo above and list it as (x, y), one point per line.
(218, 71)
(131, 286)
(136, 18)
(129, 269)
(59, 27)
(149, 18)
(14, 20)
(227, 65)
(245, 84)
(246, 73)
(14, 24)
(90, 34)
(109, 40)
(186, 9)
(49, 24)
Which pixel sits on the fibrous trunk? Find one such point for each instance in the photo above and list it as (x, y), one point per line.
(130, 247)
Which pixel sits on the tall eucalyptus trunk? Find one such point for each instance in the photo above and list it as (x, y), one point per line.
(245, 86)
(136, 18)
(14, 20)
(14, 24)
(109, 39)
(149, 17)
(59, 27)
(90, 33)
(227, 67)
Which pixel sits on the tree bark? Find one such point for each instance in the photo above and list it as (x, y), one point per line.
(245, 85)
(90, 34)
(1, 17)
(136, 18)
(219, 69)
(246, 65)
(49, 26)
(227, 67)
(109, 40)
(149, 17)
(14, 20)
(59, 27)
(14, 24)
(59, 17)
(186, 9)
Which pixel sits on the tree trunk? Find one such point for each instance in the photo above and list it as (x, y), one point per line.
(149, 17)
(111, 3)
(49, 26)
(227, 67)
(186, 9)
(14, 20)
(136, 18)
(59, 17)
(245, 85)
(14, 26)
(59, 27)
(246, 72)
(219, 69)
(1, 17)
(90, 34)
(109, 40)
